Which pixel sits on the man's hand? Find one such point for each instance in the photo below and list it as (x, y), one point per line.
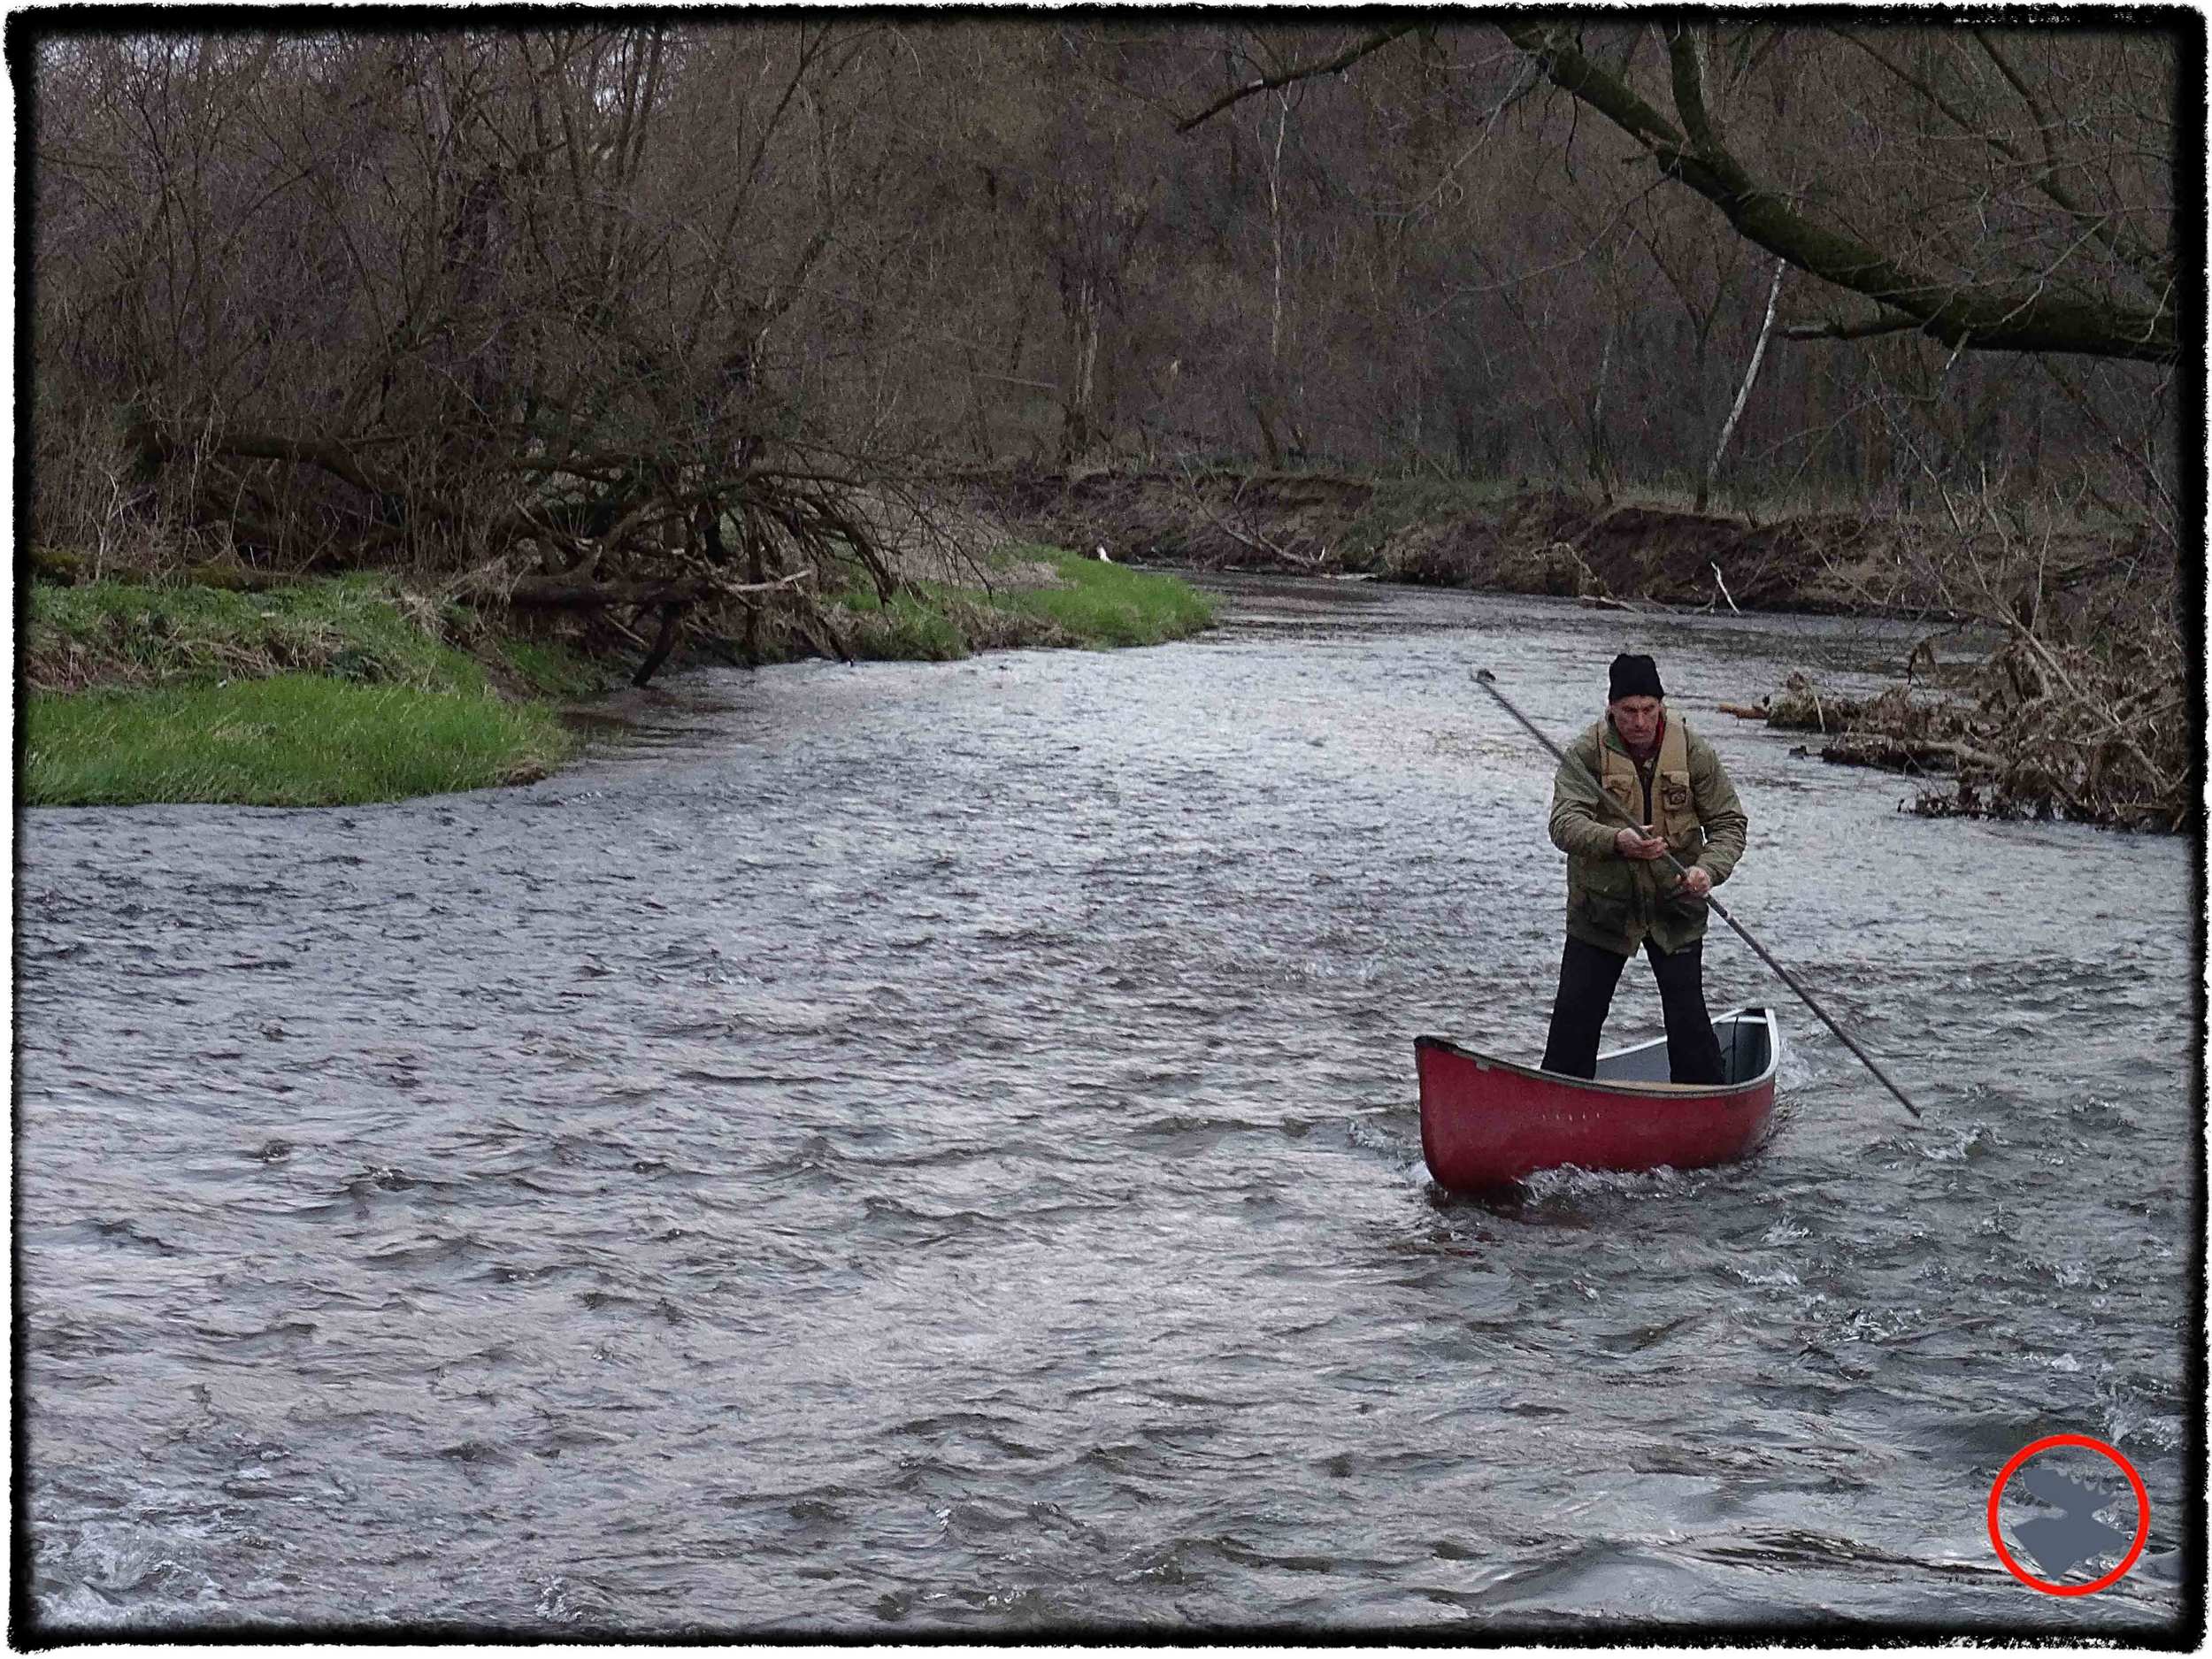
(1697, 880)
(1640, 843)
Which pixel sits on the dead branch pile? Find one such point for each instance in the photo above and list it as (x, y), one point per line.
(638, 546)
(2043, 731)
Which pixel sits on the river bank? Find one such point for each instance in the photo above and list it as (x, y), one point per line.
(1515, 536)
(2049, 682)
(340, 691)
(2053, 680)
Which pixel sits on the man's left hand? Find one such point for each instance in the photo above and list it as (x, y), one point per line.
(1697, 881)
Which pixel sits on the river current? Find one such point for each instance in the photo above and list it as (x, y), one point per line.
(918, 1149)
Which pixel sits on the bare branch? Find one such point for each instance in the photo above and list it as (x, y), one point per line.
(553, 593)
(1687, 70)
(1337, 65)
(2026, 316)
(2137, 259)
(1871, 329)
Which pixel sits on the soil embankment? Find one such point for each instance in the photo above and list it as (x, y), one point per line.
(1456, 534)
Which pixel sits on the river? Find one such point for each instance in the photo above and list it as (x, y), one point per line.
(926, 1149)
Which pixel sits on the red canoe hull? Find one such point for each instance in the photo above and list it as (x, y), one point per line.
(1487, 1122)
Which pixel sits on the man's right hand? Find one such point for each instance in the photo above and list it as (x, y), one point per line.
(1639, 843)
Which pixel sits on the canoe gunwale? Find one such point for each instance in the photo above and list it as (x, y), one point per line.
(1631, 1087)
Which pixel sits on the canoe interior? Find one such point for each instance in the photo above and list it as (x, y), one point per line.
(1746, 1049)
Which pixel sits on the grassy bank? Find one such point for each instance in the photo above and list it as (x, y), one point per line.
(1035, 595)
(293, 740)
(315, 694)
(347, 690)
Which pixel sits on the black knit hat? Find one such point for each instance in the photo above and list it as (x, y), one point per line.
(1634, 677)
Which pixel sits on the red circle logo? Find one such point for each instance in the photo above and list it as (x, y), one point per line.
(2142, 1512)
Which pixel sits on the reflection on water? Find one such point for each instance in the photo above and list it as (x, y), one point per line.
(932, 1148)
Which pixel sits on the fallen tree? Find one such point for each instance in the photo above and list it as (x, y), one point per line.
(2036, 731)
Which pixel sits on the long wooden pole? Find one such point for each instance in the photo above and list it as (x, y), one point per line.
(1488, 682)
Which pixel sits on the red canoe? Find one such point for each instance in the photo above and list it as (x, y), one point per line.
(1486, 1122)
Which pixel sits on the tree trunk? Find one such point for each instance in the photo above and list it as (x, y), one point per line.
(663, 642)
(1080, 426)
(1743, 392)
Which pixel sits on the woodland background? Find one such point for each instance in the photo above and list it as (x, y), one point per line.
(664, 312)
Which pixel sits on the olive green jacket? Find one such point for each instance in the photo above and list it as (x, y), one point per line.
(1614, 902)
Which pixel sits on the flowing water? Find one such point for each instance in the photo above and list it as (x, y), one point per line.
(923, 1149)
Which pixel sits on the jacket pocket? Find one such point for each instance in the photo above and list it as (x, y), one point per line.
(1604, 896)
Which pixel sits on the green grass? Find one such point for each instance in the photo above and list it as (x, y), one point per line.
(292, 739)
(555, 671)
(912, 628)
(350, 627)
(1094, 604)
(1110, 604)
(341, 692)
(315, 693)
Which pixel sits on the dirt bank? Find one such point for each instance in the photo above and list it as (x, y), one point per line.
(2081, 714)
(1460, 534)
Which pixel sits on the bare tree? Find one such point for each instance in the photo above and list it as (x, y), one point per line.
(554, 284)
(1743, 393)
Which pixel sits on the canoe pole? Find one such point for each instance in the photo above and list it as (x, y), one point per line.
(1489, 683)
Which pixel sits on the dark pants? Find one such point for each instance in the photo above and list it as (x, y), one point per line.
(1587, 976)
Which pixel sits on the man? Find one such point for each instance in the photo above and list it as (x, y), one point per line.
(1621, 891)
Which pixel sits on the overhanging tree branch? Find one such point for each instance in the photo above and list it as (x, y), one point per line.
(1871, 328)
(1688, 71)
(555, 592)
(2020, 316)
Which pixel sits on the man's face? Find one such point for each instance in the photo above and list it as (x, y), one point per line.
(1637, 721)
